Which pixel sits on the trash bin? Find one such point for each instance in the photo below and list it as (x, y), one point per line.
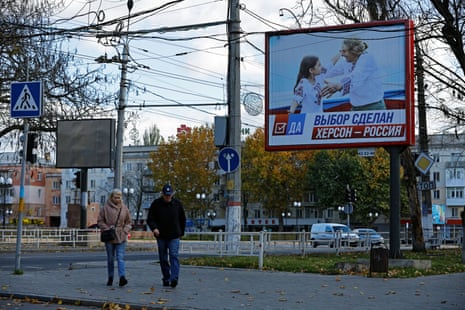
(379, 259)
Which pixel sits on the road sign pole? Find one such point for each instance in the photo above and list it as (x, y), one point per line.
(21, 202)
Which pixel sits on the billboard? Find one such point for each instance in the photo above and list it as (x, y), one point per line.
(340, 86)
(88, 143)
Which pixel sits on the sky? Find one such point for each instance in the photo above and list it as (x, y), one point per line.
(181, 68)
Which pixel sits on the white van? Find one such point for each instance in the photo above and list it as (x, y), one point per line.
(328, 234)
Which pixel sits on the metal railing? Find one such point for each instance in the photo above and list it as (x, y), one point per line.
(205, 243)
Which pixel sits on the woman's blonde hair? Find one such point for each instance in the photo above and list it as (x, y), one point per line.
(115, 191)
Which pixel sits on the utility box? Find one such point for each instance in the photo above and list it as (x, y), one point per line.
(379, 259)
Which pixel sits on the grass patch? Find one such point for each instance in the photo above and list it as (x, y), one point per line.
(442, 262)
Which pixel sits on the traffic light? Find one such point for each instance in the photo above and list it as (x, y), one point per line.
(354, 195)
(348, 193)
(31, 152)
(77, 180)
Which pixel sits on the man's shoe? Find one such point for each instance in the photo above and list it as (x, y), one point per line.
(123, 281)
(110, 281)
(166, 283)
(174, 283)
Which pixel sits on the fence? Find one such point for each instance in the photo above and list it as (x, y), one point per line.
(204, 243)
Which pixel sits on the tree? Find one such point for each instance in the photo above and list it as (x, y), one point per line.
(30, 51)
(152, 136)
(188, 163)
(272, 178)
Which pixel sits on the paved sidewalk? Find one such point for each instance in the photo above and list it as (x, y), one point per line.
(218, 288)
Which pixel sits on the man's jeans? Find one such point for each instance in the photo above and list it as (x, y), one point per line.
(115, 249)
(169, 269)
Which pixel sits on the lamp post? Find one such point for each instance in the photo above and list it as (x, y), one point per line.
(202, 197)
(9, 213)
(129, 192)
(137, 215)
(297, 205)
(372, 216)
(211, 215)
(285, 214)
(5, 185)
(347, 209)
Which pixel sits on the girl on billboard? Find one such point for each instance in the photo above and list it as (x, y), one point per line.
(309, 84)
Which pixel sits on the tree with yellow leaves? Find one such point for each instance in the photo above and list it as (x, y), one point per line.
(187, 162)
(275, 179)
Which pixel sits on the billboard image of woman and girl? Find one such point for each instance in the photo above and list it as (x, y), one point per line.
(340, 85)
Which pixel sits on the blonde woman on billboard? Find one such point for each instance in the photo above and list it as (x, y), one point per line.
(363, 79)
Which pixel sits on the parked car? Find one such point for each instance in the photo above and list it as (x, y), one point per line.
(369, 235)
(327, 234)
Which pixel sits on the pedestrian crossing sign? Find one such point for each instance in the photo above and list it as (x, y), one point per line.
(26, 99)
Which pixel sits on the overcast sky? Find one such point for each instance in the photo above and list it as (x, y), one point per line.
(183, 67)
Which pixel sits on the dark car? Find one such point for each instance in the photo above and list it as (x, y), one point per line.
(369, 235)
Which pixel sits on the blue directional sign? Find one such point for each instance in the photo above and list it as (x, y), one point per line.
(26, 99)
(228, 159)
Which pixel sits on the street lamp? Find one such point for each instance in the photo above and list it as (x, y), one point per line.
(137, 215)
(297, 205)
(128, 192)
(347, 209)
(211, 215)
(5, 185)
(372, 216)
(285, 214)
(9, 213)
(202, 197)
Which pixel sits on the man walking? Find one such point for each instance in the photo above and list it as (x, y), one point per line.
(167, 221)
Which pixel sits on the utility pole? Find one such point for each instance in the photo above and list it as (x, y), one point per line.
(123, 101)
(233, 184)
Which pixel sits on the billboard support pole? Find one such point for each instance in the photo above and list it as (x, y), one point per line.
(394, 215)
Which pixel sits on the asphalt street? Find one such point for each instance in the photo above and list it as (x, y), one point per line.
(224, 288)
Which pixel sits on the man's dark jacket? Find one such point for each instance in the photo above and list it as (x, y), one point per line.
(168, 217)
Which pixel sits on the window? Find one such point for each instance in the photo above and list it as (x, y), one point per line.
(454, 212)
(92, 183)
(56, 200)
(69, 184)
(311, 197)
(454, 192)
(454, 157)
(103, 199)
(68, 199)
(437, 194)
(436, 176)
(56, 185)
(330, 213)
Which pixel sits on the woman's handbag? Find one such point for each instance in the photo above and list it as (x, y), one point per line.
(110, 234)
